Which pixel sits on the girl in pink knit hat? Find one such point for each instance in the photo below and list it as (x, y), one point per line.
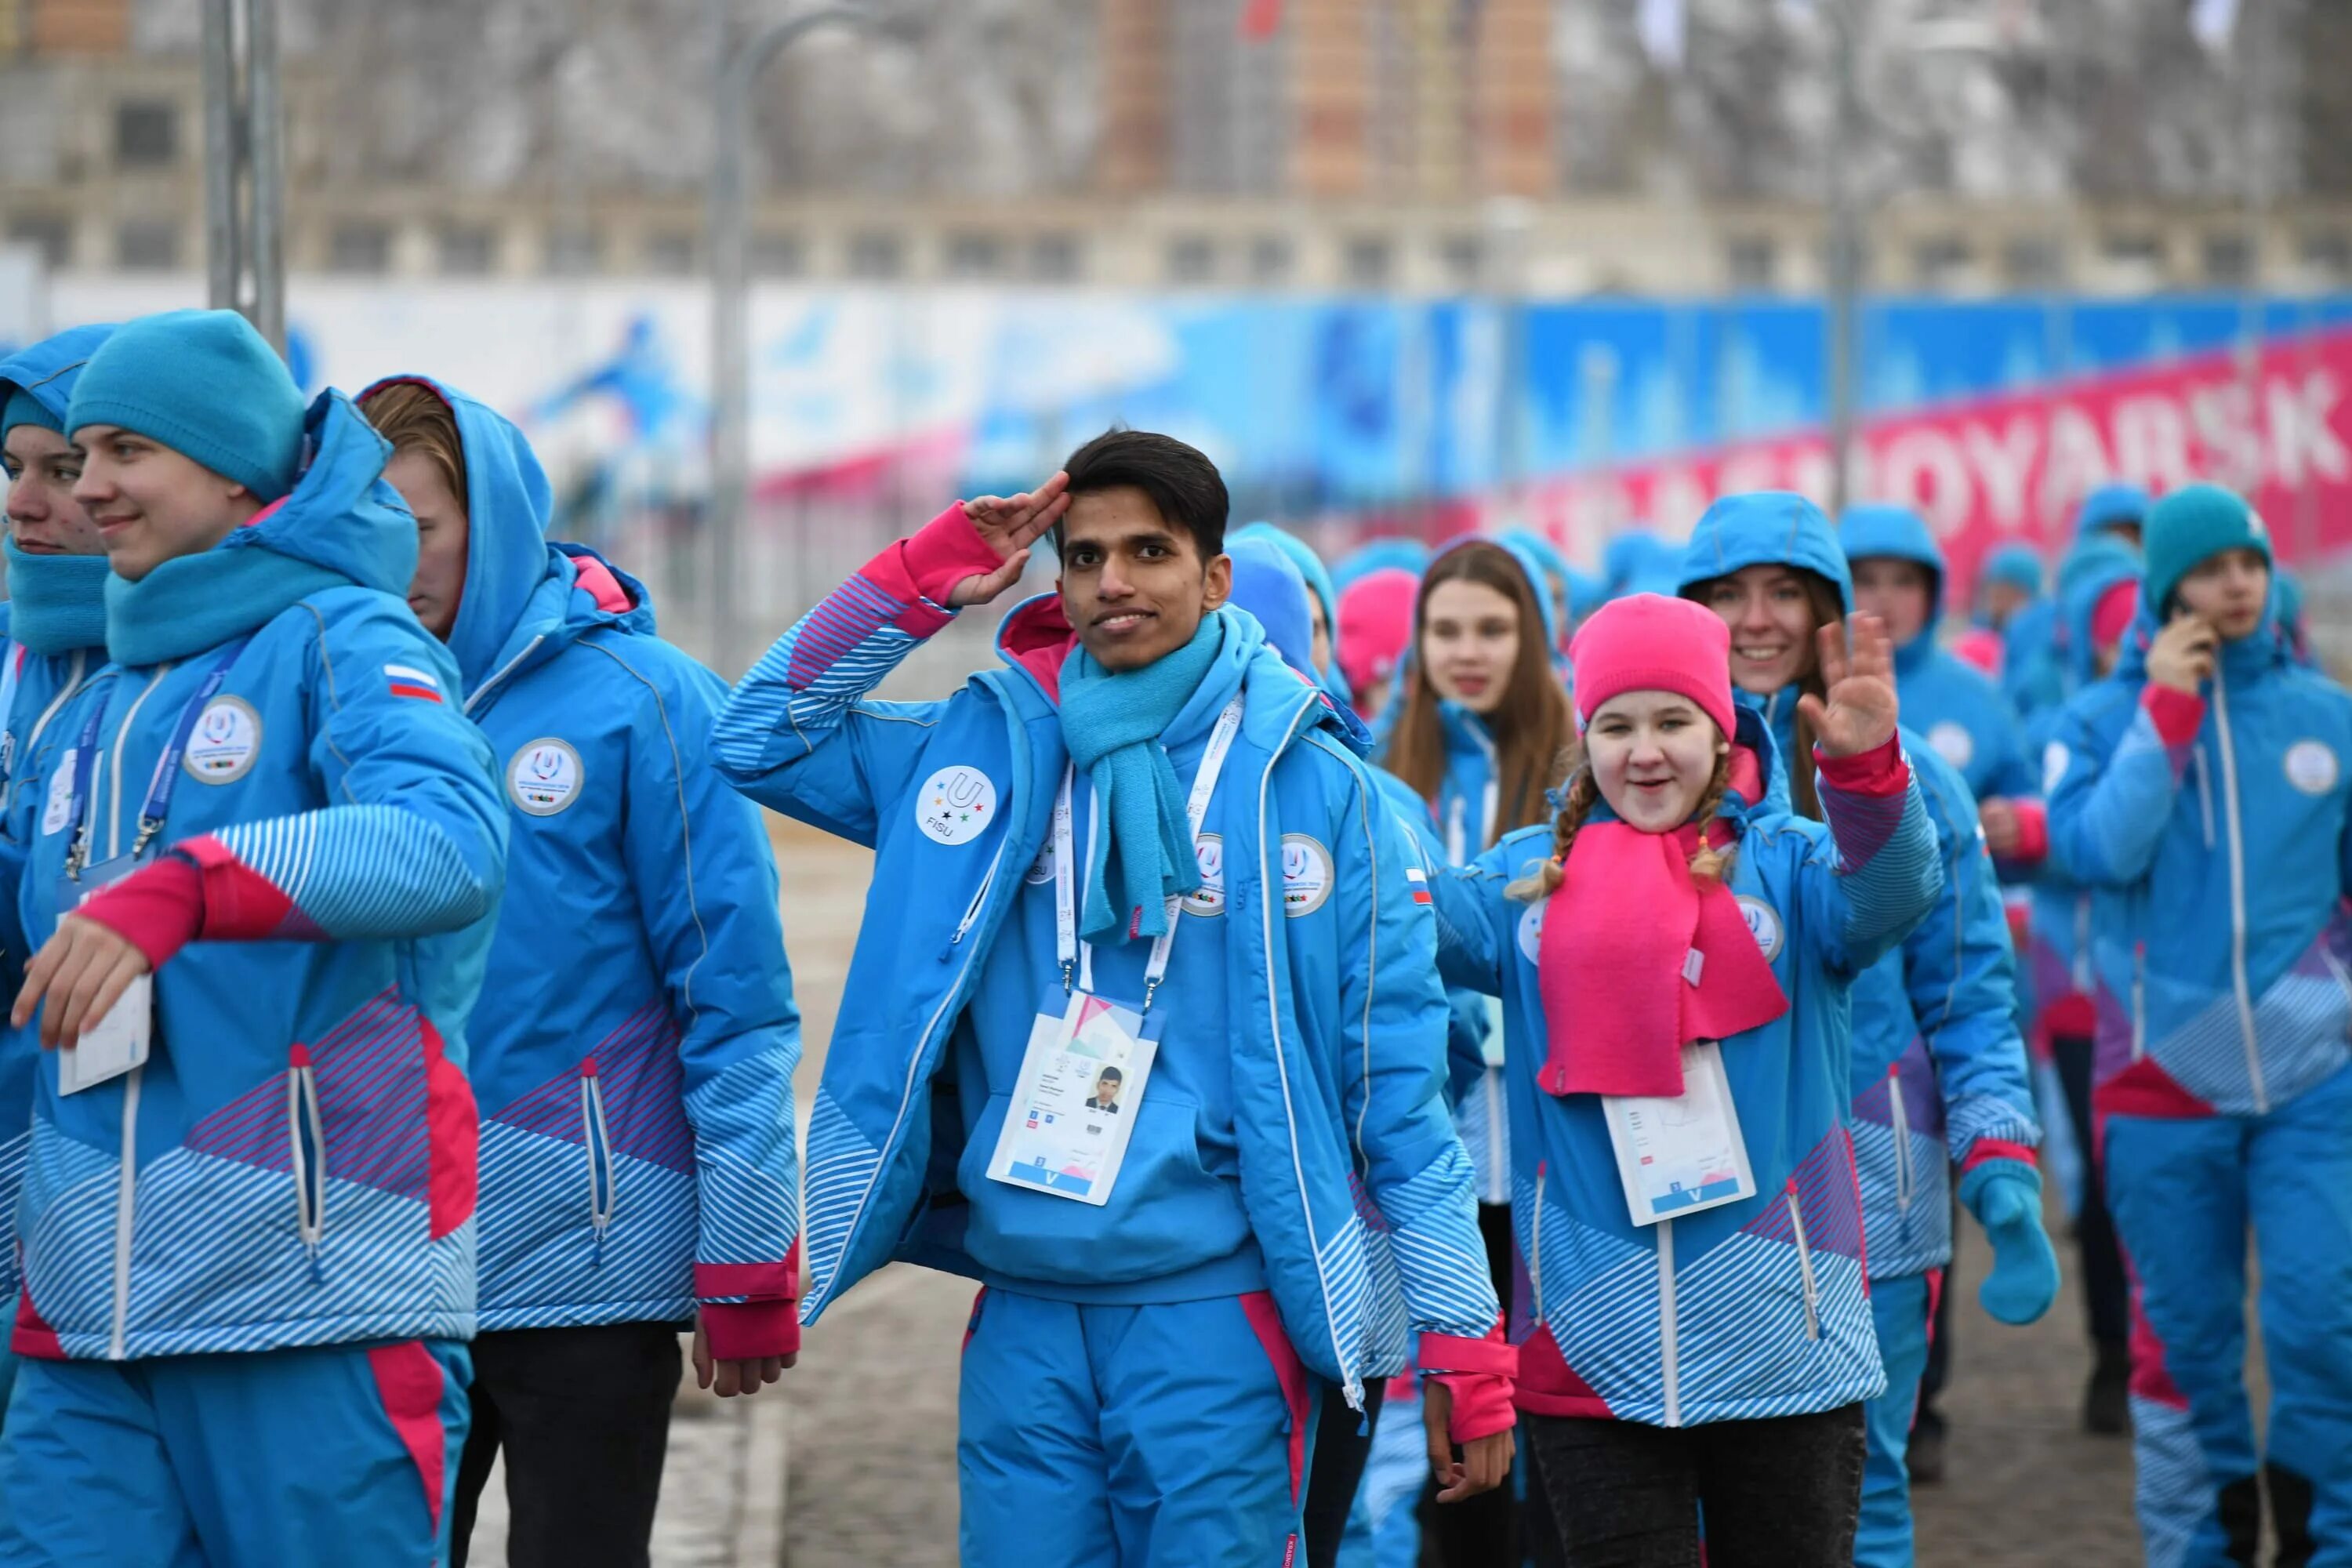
(1672, 952)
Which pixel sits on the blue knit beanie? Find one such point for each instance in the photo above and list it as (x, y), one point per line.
(24, 408)
(205, 384)
(2187, 526)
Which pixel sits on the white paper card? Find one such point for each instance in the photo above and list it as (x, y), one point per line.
(1679, 1155)
(1075, 1104)
(114, 1045)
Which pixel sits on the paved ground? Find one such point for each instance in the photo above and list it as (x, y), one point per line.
(855, 1466)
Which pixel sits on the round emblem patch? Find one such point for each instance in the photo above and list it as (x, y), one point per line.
(8, 752)
(1041, 870)
(60, 801)
(1531, 932)
(227, 739)
(1953, 744)
(545, 776)
(1209, 852)
(2312, 767)
(2055, 759)
(1763, 924)
(1306, 875)
(955, 804)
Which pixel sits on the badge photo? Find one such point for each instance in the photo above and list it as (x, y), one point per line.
(1209, 850)
(227, 739)
(2312, 766)
(544, 777)
(1306, 875)
(1953, 744)
(1763, 924)
(955, 804)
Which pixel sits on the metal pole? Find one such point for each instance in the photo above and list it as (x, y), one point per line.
(2253, 83)
(1844, 248)
(730, 317)
(222, 261)
(266, 108)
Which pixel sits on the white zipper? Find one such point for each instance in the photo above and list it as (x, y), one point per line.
(604, 1185)
(1497, 1162)
(301, 1112)
(72, 685)
(1804, 1264)
(2083, 971)
(2230, 807)
(126, 1189)
(2343, 980)
(1457, 838)
(1670, 1349)
(2139, 1000)
(1901, 1119)
(2204, 794)
(1535, 1248)
(484, 689)
(979, 898)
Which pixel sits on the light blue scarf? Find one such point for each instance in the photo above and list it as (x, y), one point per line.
(190, 603)
(58, 603)
(1111, 725)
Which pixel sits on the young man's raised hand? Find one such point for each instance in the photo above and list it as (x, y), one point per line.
(1009, 525)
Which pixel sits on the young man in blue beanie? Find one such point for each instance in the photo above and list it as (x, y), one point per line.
(52, 639)
(636, 1025)
(2202, 792)
(259, 879)
(1144, 843)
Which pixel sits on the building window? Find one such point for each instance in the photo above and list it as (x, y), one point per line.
(1367, 261)
(1752, 264)
(2132, 251)
(1191, 258)
(2229, 260)
(147, 245)
(1055, 258)
(467, 250)
(775, 255)
(878, 257)
(1464, 261)
(2032, 263)
(359, 247)
(146, 133)
(1271, 259)
(975, 255)
(2329, 254)
(574, 252)
(669, 253)
(1940, 262)
(52, 236)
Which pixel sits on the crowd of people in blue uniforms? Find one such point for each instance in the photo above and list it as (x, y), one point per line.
(1441, 1056)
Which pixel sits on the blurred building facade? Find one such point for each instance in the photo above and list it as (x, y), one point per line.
(1534, 147)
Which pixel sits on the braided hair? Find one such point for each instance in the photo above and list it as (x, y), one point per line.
(1541, 879)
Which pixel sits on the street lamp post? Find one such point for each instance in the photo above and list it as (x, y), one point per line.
(731, 313)
(1844, 243)
(245, 164)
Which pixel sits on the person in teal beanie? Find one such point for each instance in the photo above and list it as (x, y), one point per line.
(260, 876)
(55, 629)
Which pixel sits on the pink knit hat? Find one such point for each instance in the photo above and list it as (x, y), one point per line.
(1375, 625)
(1647, 642)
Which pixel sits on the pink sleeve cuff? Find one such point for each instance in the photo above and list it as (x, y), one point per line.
(1493, 1355)
(1882, 770)
(745, 1331)
(941, 554)
(1985, 1149)
(2033, 832)
(1481, 1404)
(158, 908)
(2178, 715)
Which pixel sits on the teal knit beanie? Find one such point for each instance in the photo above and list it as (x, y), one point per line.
(205, 384)
(2187, 526)
(24, 408)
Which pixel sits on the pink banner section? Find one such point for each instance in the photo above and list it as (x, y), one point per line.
(1989, 472)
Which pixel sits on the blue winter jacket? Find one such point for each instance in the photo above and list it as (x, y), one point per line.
(48, 650)
(1310, 1154)
(2033, 674)
(1939, 1073)
(295, 1163)
(1754, 1308)
(633, 1047)
(2216, 831)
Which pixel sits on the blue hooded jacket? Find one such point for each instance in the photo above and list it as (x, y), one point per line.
(2033, 668)
(635, 1044)
(1293, 1136)
(1939, 1072)
(295, 1163)
(1317, 579)
(2217, 830)
(1753, 1309)
(1960, 712)
(1638, 561)
(1374, 554)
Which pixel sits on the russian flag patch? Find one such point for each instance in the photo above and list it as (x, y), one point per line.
(1420, 884)
(407, 680)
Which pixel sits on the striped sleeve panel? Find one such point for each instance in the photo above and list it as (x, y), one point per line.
(341, 873)
(1433, 1233)
(1887, 856)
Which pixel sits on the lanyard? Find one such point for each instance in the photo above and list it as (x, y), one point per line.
(160, 786)
(14, 654)
(1078, 955)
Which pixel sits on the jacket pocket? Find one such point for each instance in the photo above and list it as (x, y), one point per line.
(603, 1188)
(1804, 1261)
(305, 1146)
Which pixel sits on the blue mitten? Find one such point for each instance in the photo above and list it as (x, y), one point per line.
(2006, 1198)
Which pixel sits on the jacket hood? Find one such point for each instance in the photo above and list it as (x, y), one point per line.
(2111, 507)
(1302, 555)
(1410, 555)
(507, 505)
(48, 369)
(2091, 568)
(1900, 533)
(1268, 588)
(2019, 564)
(1764, 528)
(1637, 562)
